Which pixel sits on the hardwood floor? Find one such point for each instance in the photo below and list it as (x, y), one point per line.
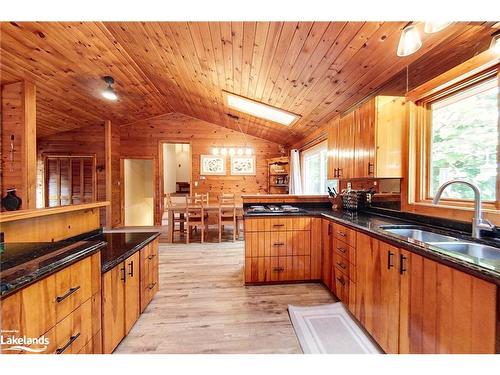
(203, 306)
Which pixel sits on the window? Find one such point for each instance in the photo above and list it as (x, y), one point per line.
(463, 137)
(314, 169)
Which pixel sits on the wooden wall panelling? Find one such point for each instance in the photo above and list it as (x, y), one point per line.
(18, 104)
(316, 243)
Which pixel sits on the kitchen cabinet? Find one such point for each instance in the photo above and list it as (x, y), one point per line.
(377, 290)
(149, 282)
(327, 254)
(60, 306)
(279, 249)
(444, 310)
(367, 142)
(120, 301)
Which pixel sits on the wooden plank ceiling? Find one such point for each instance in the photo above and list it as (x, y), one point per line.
(314, 69)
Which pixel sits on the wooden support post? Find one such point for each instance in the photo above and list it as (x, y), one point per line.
(19, 129)
(112, 157)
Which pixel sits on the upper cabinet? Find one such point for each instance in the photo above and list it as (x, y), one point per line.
(367, 142)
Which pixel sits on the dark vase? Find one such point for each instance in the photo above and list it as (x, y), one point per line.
(11, 202)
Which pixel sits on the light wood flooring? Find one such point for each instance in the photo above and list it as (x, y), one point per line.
(204, 307)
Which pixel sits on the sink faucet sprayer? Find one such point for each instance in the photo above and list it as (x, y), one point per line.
(478, 222)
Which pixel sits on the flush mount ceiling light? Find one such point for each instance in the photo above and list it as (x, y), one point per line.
(410, 41)
(434, 27)
(495, 42)
(109, 93)
(261, 110)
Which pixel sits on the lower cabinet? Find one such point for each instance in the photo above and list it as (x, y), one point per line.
(120, 301)
(149, 283)
(63, 307)
(282, 249)
(412, 304)
(443, 310)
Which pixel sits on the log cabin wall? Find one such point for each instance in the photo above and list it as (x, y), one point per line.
(141, 140)
(84, 140)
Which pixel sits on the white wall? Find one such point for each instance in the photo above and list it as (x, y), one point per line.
(183, 162)
(176, 165)
(138, 175)
(169, 165)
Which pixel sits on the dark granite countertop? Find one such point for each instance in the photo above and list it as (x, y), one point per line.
(21, 264)
(370, 222)
(120, 245)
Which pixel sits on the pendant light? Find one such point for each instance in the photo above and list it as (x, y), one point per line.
(410, 41)
(109, 93)
(434, 27)
(495, 42)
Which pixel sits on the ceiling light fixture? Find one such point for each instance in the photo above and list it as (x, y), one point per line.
(434, 27)
(109, 93)
(410, 41)
(495, 42)
(261, 110)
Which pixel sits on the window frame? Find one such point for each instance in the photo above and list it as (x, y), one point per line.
(323, 145)
(423, 139)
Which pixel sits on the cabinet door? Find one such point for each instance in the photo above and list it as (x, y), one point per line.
(364, 140)
(113, 307)
(444, 310)
(333, 148)
(132, 291)
(326, 236)
(346, 145)
(377, 290)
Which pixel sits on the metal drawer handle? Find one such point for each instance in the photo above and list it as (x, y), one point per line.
(278, 244)
(342, 265)
(70, 341)
(402, 262)
(390, 254)
(151, 256)
(342, 250)
(151, 286)
(278, 269)
(341, 280)
(67, 294)
(124, 273)
(278, 225)
(342, 234)
(131, 265)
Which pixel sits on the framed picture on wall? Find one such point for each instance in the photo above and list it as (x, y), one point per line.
(212, 165)
(243, 165)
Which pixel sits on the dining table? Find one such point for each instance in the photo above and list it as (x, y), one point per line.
(180, 208)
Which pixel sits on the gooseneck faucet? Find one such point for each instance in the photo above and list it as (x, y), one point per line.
(478, 222)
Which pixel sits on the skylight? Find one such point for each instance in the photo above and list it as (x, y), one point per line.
(261, 110)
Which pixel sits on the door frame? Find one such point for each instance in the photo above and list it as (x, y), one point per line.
(160, 205)
(122, 184)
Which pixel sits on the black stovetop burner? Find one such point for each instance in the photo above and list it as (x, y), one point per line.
(275, 209)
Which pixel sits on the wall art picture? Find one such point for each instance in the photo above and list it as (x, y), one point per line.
(211, 165)
(243, 165)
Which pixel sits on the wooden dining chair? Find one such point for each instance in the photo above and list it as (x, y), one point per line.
(177, 215)
(227, 214)
(195, 217)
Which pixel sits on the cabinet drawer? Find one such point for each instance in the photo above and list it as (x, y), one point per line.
(346, 251)
(282, 223)
(258, 270)
(342, 287)
(71, 334)
(73, 286)
(341, 263)
(344, 234)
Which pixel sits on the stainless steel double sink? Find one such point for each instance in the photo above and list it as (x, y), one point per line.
(448, 243)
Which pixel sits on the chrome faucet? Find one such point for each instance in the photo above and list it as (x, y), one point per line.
(478, 222)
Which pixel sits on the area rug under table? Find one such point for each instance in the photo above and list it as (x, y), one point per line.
(329, 329)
